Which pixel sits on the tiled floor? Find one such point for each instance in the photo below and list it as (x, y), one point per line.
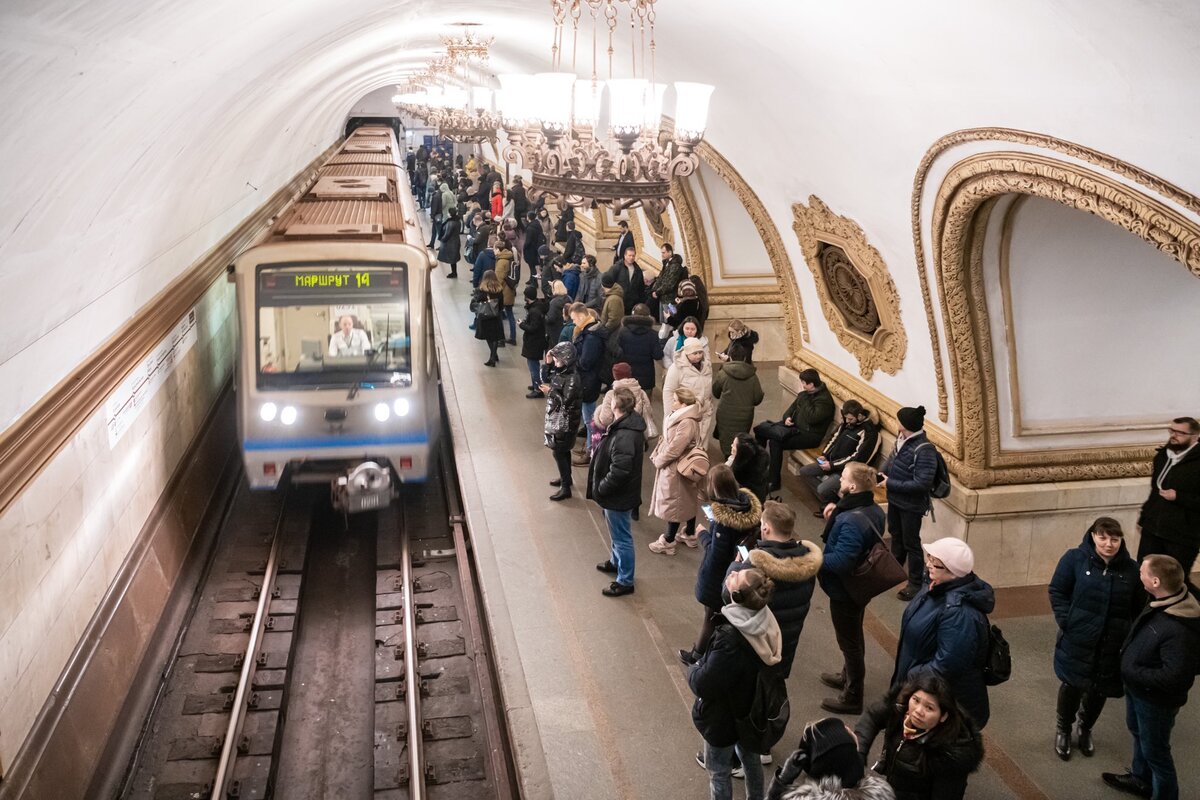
(601, 706)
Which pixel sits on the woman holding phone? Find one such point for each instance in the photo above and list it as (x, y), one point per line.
(734, 515)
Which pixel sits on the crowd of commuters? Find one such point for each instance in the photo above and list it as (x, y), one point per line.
(593, 336)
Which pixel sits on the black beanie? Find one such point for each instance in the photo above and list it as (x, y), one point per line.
(913, 419)
(833, 751)
(531, 293)
(608, 281)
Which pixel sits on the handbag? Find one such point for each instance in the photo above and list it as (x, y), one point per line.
(693, 464)
(488, 309)
(878, 572)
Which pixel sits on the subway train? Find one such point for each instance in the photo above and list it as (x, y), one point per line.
(337, 379)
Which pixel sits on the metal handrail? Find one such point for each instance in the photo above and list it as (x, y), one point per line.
(412, 678)
(249, 666)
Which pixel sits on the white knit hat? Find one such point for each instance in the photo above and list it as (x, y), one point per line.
(955, 554)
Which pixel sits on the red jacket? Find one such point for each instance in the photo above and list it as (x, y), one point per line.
(497, 205)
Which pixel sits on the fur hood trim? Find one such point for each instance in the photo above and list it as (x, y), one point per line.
(871, 787)
(793, 570)
(730, 517)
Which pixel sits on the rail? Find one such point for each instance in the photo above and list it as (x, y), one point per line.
(412, 677)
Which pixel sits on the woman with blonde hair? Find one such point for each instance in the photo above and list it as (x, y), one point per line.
(675, 498)
(488, 304)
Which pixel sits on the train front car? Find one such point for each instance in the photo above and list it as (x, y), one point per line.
(337, 380)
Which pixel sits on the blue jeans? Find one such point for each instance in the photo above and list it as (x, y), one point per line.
(719, 763)
(535, 372)
(512, 322)
(620, 525)
(1151, 726)
(589, 410)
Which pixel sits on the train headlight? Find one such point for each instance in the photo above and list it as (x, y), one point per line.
(400, 406)
(382, 412)
(268, 412)
(288, 415)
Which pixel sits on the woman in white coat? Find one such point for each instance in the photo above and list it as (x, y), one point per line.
(692, 369)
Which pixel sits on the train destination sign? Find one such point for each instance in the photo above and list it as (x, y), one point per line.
(292, 284)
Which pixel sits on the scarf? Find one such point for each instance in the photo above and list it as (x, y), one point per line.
(911, 731)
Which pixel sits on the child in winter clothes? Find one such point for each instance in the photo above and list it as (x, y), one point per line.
(622, 379)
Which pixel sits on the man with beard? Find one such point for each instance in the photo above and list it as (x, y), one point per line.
(1170, 518)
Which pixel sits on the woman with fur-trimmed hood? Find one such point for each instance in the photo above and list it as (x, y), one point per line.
(793, 566)
(826, 765)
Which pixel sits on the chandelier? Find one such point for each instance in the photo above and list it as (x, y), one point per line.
(553, 119)
(434, 95)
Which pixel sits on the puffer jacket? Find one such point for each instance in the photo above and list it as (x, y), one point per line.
(505, 263)
(615, 472)
(910, 474)
(613, 309)
(793, 566)
(570, 279)
(852, 529)
(605, 412)
(564, 393)
(590, 341)
(871, 787)
(739, 391)
(945, 631)
(1161, 657)
(812, 412)
(639, 347)
(683, 373)
(555, 319)
(857, 442)
(1094, 605)
(724, 678)
(675, 498)
(1175, 520)
(734, 522)
(589, 291)
(533, 341)
(929, 767)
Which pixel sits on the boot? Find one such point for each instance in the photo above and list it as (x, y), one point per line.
(1062, 743)
(1065, 710)
(580, 458)
(843, 704)
(834, 680)
(1083, 737)
(562, 494)
(1089, 712)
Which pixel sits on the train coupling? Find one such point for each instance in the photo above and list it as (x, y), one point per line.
(366, 487)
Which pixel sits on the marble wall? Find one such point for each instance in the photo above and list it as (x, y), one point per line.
(63, 541)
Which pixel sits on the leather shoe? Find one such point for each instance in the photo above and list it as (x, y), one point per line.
(607, 566)
(842, 705)
(1126, 782)
(535, 394)
(1083, 737)
(556, 482)
(617, 590)
(562, 494)
(908, 593)
(688, 657)
(1062, 744)
(834, 680)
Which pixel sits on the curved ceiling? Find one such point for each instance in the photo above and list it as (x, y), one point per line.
(137, 135)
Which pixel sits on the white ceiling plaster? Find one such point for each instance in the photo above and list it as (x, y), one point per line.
(138, 134)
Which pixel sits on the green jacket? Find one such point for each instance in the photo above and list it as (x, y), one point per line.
(738, 389)
(812, 412)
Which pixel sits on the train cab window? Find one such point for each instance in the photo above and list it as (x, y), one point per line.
(322, 326)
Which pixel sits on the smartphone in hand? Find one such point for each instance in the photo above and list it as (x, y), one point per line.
(707, 509)
(743, 552)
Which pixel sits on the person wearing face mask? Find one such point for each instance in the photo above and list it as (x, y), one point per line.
(1095, 595)
(944, 630)
(930, 747)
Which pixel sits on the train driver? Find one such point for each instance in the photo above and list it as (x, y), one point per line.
(348, 340)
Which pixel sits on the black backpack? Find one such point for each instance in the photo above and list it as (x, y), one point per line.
(997, 668)
(763, 727)
(941, 476)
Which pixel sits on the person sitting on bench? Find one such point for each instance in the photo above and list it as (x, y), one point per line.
(803, 426)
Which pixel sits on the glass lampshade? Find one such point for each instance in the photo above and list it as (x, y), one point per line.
(654, 105)
(588, 96)
(481, 98)
(691, 109)
(627, 104)
(554, 95)
(455, 98)
(517, 92)
(433, 97)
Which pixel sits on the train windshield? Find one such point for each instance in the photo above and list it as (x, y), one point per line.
(327, 326)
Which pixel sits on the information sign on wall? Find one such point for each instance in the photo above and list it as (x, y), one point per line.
(134, 394)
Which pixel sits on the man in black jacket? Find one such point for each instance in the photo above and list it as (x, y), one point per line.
(625, 240)
(662, 289)
(1170, 518)
(1159, 663)
(803, 425)
(908, 477)
(615, 483)
(856, 439)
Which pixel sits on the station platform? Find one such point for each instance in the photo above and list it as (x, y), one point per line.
(597, 700)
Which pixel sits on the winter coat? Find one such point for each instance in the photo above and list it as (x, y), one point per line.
(848, 536)
(614, 308)
(748, 340)
(858, 442)
(573, 251)
(606, 412)
(534, 239)
(751, 468)
(910, 474)
(533, 340)
(732, 523)
(1161, 657)
(683, 373)
(624, 242)
(449, 201)
(564, 393)
(451, 250)
(671, 347)
(636, 291)
(672, 272)
(1175, 520)
(489, 330)
(555, 319)
(675, 498)
(570, 279)
(811, 412)
(724, 678)
(684, 307)
(639, 347)
(945, 631)
(434, 202)
(497, 204)
(615, 472)
(589, 291)
(739, 391)
(483, 262)
(560, 228)
(504, 265)
(793, 566)
(871, 787)
(930, 767)
(620, 274)
(1094, 605)
(589, 342)
(520, 201)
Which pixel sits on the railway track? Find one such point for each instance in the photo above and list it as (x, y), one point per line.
(331, 657)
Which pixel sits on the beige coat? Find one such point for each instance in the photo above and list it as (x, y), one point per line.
(675, 498)
(605, 413)
(700, 381)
